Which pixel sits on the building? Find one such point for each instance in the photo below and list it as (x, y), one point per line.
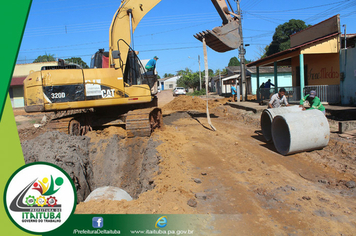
(348, 71)
(168, 83)
(284, 76)
(265, 73)
(314, 57)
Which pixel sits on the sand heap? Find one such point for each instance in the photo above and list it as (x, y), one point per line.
(185, 103)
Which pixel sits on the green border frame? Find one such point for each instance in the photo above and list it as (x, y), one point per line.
(31, 164)
(13, 15)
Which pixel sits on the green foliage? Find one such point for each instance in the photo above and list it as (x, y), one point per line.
(247, 61)
(45, 58)
(210, 74)
(224, 71)
(234, 61)
(197, 93)
(281, 36)
(78, 61)
(188, 79)
(167, 75)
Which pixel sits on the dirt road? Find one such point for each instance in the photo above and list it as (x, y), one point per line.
(233, 173)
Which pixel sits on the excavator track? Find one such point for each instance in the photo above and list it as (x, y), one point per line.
(60, 125)
(142, 122)
(139, 123)
(64, 121)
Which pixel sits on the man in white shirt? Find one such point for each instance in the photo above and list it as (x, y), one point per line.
(277, 99)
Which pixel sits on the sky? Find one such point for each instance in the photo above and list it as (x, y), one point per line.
(65, 28)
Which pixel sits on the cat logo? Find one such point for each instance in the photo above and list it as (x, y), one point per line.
(108, 93)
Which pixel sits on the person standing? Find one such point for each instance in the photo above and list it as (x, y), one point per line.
(233, 93)
(314, 102)
(278, 98)
(151, 64)
(267, 88)
(268, 84)
(262, 90)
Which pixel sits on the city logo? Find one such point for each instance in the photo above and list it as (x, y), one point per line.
(161, 222)
(39, 197)
(98, 222)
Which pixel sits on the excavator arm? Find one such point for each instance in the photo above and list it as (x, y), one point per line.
(123, 25)
(130, 13)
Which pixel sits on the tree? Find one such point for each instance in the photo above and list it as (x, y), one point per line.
(167, 75)
(281, 36)
(188, 79)
(45, 58)
(210, 74)
(234, 61)
(221, 72)
(77, 60)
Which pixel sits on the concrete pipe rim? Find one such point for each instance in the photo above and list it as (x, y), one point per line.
(266, 125)
(281, 135)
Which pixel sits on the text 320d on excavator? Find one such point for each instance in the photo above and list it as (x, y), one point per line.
(124, 93)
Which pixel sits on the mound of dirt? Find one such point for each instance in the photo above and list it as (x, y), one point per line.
(101, 158)
(68, 152)
(185, 103)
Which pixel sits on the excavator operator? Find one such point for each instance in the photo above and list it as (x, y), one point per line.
(151, 64)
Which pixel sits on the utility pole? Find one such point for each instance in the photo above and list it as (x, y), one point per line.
(207, 84)
(344, 36)
(199, 73)
(220, 85)
(242, 53)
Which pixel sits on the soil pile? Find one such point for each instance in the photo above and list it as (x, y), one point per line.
(185, 103)
(68, 152)
(102, 158)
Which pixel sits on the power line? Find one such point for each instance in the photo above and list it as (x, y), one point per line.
(304, 8)
(331, 11)
(349, 14)
(150, 50)
(65, 46)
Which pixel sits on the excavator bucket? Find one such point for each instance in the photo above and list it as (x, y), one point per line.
(223, 38)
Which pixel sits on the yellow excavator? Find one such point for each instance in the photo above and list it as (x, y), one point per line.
(122, 94)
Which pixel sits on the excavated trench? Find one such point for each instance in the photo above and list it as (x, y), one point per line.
(101, 158)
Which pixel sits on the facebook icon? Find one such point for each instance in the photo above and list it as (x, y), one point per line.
(98, 222)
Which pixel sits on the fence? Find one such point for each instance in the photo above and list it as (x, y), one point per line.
(326, 93)
(292, 93)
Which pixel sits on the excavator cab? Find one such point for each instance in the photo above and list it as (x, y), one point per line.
(135, 73)
(226, 37)
(100, 59)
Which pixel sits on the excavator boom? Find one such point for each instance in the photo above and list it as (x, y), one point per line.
(124, 93)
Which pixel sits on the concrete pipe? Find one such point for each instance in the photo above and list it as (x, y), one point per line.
(268, 115)
(108, 193)
(300, 131)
